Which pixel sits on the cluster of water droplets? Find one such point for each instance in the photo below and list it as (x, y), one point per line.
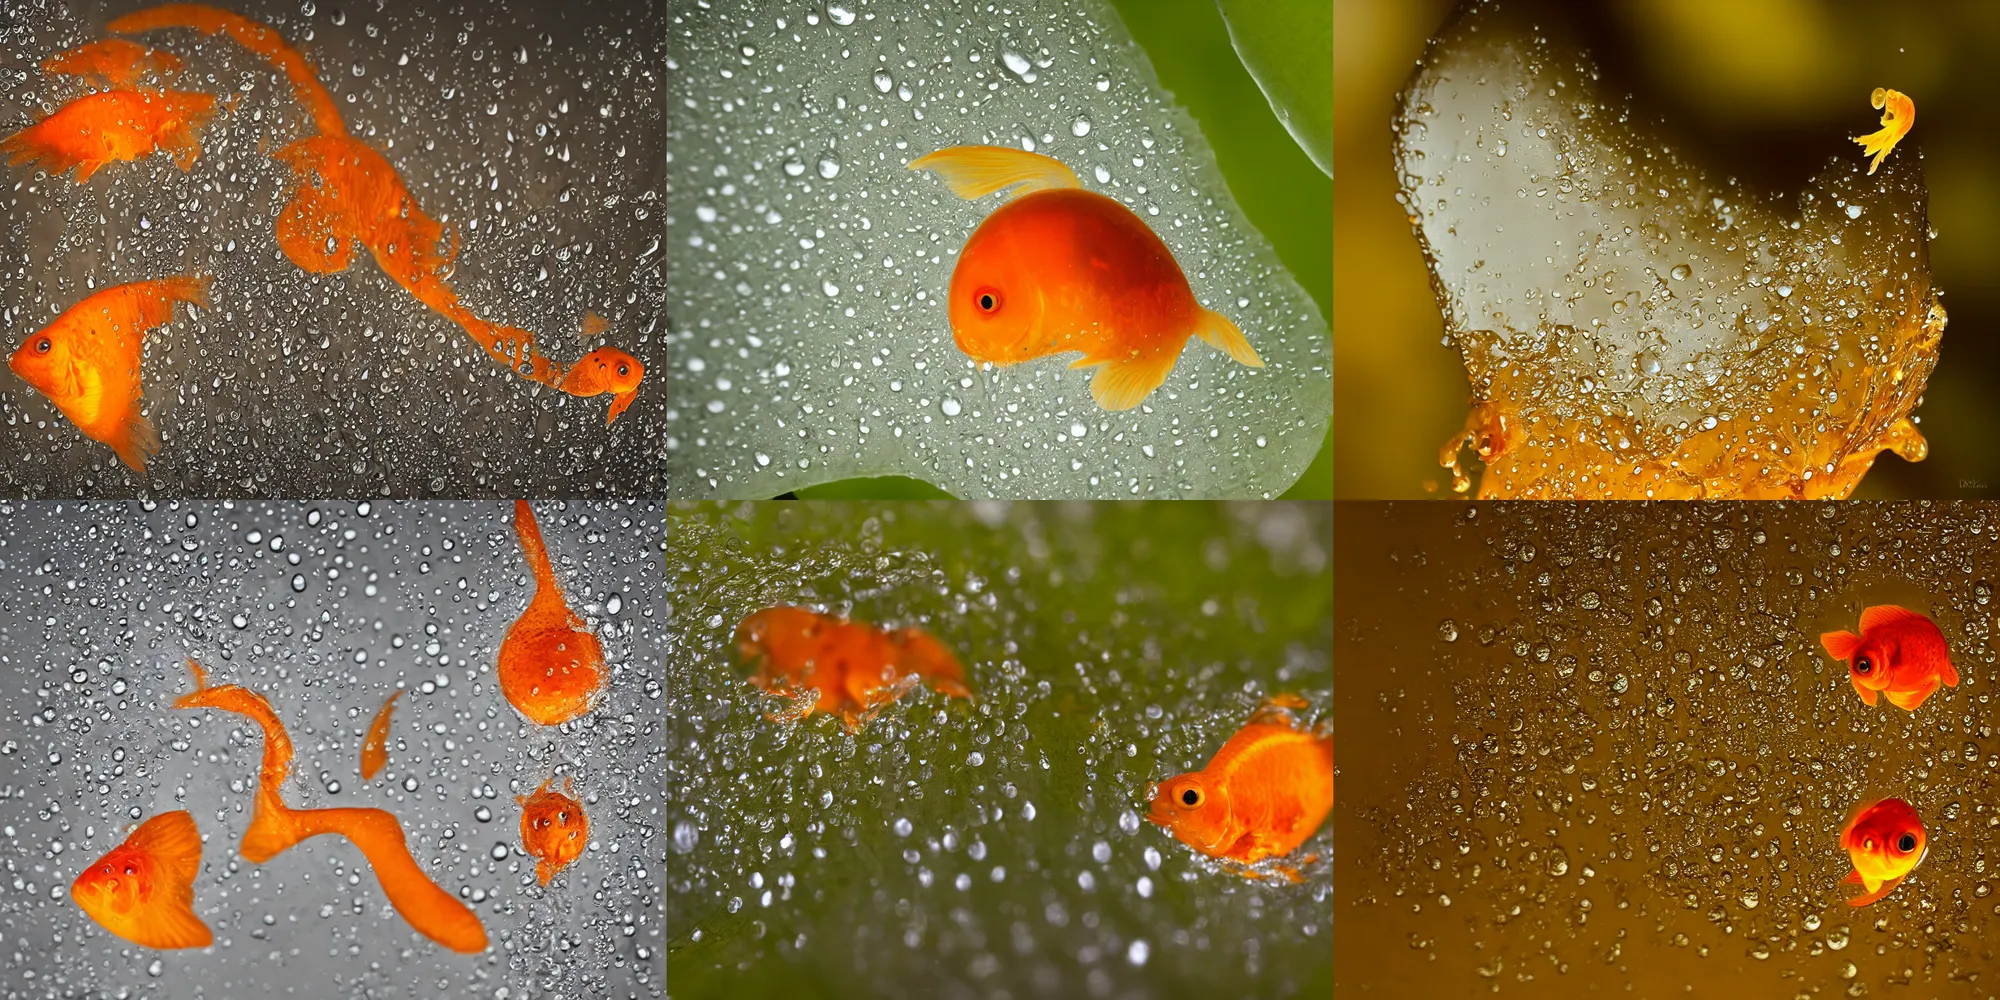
(539, 144)
(810, 337)
(996, 846)
(324, 610)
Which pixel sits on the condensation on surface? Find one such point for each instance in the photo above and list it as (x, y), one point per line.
(1636, 327)
(807, 283)
(998, 846)
(324, 609)
(538, 137)
(1623, 760)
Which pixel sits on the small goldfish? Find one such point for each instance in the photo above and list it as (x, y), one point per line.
(854, 667)
(553, 829)
(1886, 841)
(143, 891)
(87, 361)
(1058, 268)
(1899, 653)
(114, 61)
(1262, 795)
(606, 370)
(551, 665)
(375, 752)
(1898, 114)
(113, 126)
(276, 827)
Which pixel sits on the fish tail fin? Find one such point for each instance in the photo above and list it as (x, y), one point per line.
(532, 548)
(1840, 645)
(189, 288)
(184, 136)
(1121, 384)
(544, 872)
(137, 441)
(1219, 331)
(29, 147)
(977, 171)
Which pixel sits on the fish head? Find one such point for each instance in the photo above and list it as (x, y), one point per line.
(779, 635)
(1194, 810)
(116, 883)
(997, 308)
(1873, 664)
(45, 361)
(621, 371)
(1886, 839)
(553, 826)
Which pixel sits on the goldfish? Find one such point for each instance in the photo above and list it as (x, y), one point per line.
(1886, 841)
(114, 61)
(1899, 653)
(852, 668)
(606, 369)
(1898, 114)
(143, 891)
(553, 829)
(87, 361)
(551, 665)
(276, 827)
(1058, 268)
(1262, 795)
(112, 126)
(375, 752)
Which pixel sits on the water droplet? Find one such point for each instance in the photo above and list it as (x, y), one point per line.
(499, 852)
(614, 604)
(686, 836)
(829, 288)
(903, 827)
(829, 166)
(950, 407)
(1102, 83)
(839, 14)
(1016, 62)
(795, 167)
(298, 583)
(1080, 127)
(1077, 429)
(240, 621)
(1128, 821)
(1854, 211)
(483, 814)
(1681, 272)
(883, 81)
(1137, 952)
(1448, 630)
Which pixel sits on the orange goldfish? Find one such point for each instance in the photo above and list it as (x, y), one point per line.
(1898, 114)
(114, 61)
(113, 126)
(375, 752)
(1058, 268)
(854, 667)
(606, 369)
(1899, 653)
(551, 666)
(276, 827)
(1263, 794)
(143, 891)
(1886, 841)
(87, 361)
(553, 829)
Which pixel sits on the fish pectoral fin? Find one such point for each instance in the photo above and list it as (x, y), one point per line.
(1122, 384)
(1219, 331)
(977, 171)
(1867, 694)
(1949, 674)
(1909, 700)
(1853, 878)
(136, 441)
(168, 925)
(619, 403)
(1870, 884)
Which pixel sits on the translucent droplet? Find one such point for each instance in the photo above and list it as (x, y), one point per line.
(686, 836)
(840, 15)
(883, 81)
(903, 826)
(1016, 62)
(1080, 127)
(1448, 630)
(949, 406)
(1077, 429)
(795, 167)
(829, 166)
(240, 621)
(829, 288)
(298, 583)
(1681, 272)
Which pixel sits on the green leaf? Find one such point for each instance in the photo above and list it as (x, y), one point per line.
(877, 488)
(1287, 45)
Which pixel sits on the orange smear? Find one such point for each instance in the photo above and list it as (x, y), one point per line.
(113, 126)
(553, 829)
(113, 61)
(835, 665)
(143, 890)
(275, 827)
(551, 666)
(1898, 114)
(375, 752)
(1262, 795)
(253, 35)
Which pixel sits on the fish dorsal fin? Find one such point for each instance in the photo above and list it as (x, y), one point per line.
(1887, 614)
(977, 171)
(171, 838)
(1840, 645)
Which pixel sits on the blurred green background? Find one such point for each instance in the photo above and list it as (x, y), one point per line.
(1763, 90)
(1285, 196)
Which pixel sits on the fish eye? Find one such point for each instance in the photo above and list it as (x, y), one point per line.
(129, 870)
(42, 346)
(1906, 843)
(1191, 797)
(1863, 665)
(624, 370)
(987, 300)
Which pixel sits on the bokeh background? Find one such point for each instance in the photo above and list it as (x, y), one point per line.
(1763, 90)
(324, 608)
(994, 848)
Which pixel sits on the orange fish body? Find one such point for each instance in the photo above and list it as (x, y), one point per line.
(606, 370)
(143, 891)
(1886, 841)
(1899, 654)
(551, 665)
(276, 827)
(852, 668)
(553, 829)
(1898, 114)
(375, 751)
(113, 61)
(87, 361)
(1058, 268)
(112, 126)
(1263, 794)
